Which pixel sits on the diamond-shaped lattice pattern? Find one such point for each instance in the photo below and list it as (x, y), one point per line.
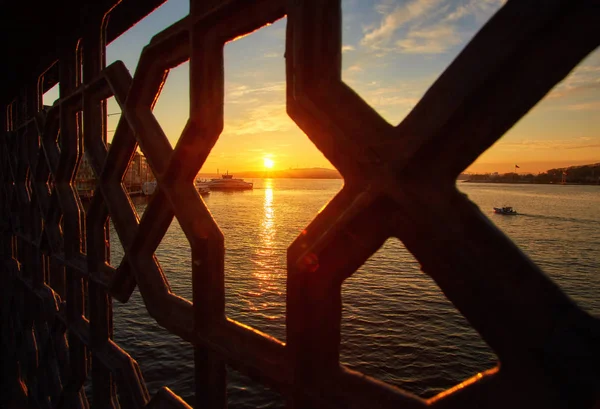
(394, 316)
(85, 182)
(566, 112)
(255, 240)
(50, 96)
(173, 255)
(546, 344)
(170, 109)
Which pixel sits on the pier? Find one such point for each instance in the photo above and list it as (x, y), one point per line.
(58, 285)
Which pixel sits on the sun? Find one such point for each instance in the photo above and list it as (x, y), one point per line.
(268, 163)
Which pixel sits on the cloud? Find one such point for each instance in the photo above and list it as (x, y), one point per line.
(556, 144)
(236, 93)
(392, 101)
(481, 9)
(385, 7)
(426, 26)
(347, 48)
(259, 120)
(240, 101)
(354, 68)
(393, 21)
(386, 101)
(432, 41)
(406, 95)
(584, 77)
(585, 106)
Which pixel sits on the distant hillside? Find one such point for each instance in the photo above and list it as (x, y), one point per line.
(575, 174)
(585, 174)
(307, 173)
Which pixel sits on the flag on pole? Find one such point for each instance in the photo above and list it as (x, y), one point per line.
(517, 166)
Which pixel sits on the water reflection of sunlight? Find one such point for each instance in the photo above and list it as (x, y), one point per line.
(268, 219)
(265, 252)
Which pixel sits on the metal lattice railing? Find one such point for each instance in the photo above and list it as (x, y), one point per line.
(55, 255)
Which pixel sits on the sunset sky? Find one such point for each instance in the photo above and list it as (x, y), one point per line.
(393, 50)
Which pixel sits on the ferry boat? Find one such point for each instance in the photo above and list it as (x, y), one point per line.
(227, 182)
(148, 188)
(505, 210)
(202, 188)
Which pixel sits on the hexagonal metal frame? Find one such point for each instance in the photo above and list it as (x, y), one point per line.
(515, 59)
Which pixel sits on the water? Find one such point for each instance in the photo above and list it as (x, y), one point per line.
(397, 325)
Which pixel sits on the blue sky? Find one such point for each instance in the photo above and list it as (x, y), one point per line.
(393, 50)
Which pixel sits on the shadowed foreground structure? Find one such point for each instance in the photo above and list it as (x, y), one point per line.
(58, 285)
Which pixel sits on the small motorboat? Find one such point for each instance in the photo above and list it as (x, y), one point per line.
(505, 210)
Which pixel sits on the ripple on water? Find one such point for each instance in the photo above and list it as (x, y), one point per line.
(397, 325)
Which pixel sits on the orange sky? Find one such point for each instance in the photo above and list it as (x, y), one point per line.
(393, 50)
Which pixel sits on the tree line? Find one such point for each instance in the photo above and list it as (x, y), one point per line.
(586, 174)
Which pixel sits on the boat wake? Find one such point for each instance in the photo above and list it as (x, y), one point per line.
(560, 219)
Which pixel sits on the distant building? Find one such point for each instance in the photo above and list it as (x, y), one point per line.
(137, 173)
(85, 180)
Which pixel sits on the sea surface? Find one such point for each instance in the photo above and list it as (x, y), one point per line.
(397, 325)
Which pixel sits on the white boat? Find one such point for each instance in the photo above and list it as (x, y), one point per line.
(148, 188)
(202, 187)
(505, 210)
(227, 182)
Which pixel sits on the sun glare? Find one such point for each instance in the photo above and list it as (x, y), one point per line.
(268, 163)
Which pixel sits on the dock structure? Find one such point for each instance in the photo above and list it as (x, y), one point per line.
(54, 256)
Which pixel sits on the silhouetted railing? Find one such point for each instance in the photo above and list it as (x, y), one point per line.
(58, 287)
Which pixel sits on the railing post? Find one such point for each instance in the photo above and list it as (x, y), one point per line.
(73, 394)
(104, 394)
(207, 256)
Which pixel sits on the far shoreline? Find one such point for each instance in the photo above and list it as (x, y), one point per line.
(505, 182)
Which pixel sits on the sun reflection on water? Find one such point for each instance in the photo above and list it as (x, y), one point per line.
(265, 259)
(268, 222)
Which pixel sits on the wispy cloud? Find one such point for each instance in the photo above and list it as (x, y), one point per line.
(393, 96)
(400, 16)
(555, 144)
(259, 120)
(385, 7)
(433, 40)
(236, 93)
(347, 48)
(390, 100)
(585, 106)
(584, 77)
(480, 9)
(354, 68)
(425, 26)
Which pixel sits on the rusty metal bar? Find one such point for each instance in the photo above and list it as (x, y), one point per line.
(55, 256)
